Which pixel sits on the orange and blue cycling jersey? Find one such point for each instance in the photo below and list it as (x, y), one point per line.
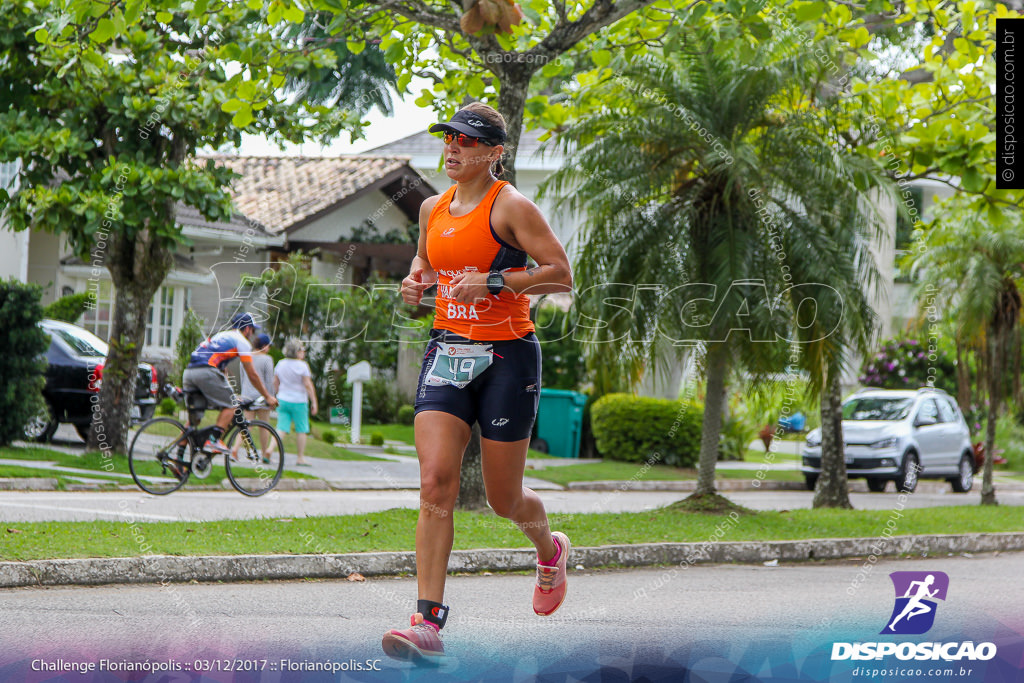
(458, 244)
(218, 350)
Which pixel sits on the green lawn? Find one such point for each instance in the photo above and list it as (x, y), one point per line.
(95, 462)
(395, 530)
(390, 432)
(615, 470)
(759, 456)
(314, 446)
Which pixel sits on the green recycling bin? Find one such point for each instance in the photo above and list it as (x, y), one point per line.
(560, 421)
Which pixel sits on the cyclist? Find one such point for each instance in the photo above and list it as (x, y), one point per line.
(482, 363)
(205, 374)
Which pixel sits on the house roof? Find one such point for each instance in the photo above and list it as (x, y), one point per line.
(424, 143)
(189, 216)
(285, 193)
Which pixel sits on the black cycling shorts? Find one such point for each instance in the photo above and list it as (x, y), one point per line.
(503, 399)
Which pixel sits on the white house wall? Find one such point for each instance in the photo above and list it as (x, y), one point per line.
(338, 224)
(13, 253)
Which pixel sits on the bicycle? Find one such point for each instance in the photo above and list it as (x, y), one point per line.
(164, 453)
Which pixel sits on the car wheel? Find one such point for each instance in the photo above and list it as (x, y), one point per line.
(907, 481)
(539, 445)
(42, 426)
(810, 480)
(964, 482)
(877, 485)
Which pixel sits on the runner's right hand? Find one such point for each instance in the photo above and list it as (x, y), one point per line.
(413, 287)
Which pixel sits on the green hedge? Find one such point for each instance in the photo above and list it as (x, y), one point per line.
(69, 308)
(636, 429)
(21, 371)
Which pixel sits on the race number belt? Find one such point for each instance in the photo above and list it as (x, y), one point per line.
(458, 364)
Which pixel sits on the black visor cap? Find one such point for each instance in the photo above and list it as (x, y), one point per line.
(471, 124)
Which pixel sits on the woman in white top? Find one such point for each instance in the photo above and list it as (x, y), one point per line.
(293, 385)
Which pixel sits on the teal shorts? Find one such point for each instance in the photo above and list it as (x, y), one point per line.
(289, 414)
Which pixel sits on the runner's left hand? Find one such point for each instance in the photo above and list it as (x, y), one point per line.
(469, 288)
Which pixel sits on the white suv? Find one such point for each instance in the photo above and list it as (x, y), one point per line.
(900, 436)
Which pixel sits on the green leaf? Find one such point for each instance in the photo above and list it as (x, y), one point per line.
(232, 105)
(275, 13)
(355, 46)
(601, 57)
(972, 180)
(812, 11)
(42, 35)
(294, 14)
(103, 32)
(243, 117)
(395, 52)
(164, 17)
(475, 87)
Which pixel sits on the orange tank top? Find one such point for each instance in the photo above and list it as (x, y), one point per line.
(457, 244)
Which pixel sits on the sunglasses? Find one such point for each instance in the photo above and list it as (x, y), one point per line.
(465, 140)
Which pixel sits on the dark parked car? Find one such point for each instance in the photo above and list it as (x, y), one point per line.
(74, 373)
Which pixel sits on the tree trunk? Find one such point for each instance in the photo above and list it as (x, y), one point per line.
(515, 83)
(832, 490)
(963, 379)
(988, 491)
(711, 427)
(137, 267)
(471, 482)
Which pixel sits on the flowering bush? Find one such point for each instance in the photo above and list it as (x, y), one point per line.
(908, 364)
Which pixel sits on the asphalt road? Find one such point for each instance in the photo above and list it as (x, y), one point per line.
(776, 622)
(18, 506)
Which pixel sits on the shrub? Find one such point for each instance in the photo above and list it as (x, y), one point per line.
(168, 406)
(905, 364)
(329, 436)
(636, 429)
(189, 337)
(381, 401)
(69, 308)
(563, 366)
(735, 438)
(21, 372)
(376, 439)
(406, 415)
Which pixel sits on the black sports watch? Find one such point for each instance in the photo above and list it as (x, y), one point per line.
(495, 282)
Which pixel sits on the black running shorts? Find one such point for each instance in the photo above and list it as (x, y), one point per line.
(503, 399)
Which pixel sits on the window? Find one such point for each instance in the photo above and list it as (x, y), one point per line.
(81, 343)
(9, 175)
(97, 320)
(948, 410)
(160, 324)
(889, 409)
(928, 412)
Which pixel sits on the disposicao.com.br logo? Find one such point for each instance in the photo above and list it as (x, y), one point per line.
(914, 613)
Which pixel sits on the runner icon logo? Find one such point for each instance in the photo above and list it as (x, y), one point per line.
(916, 595)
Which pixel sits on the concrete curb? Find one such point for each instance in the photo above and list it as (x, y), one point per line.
(164, 568)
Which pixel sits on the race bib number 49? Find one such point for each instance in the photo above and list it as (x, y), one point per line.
(458, 364)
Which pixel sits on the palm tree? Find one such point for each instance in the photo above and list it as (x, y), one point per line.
(972, 264)
(679, 173)
(356, 81)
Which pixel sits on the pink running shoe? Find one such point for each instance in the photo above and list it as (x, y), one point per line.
(550, 591)
(414, 644)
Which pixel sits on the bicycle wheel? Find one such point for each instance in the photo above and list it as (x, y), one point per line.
(252, 473)
(160, 456)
